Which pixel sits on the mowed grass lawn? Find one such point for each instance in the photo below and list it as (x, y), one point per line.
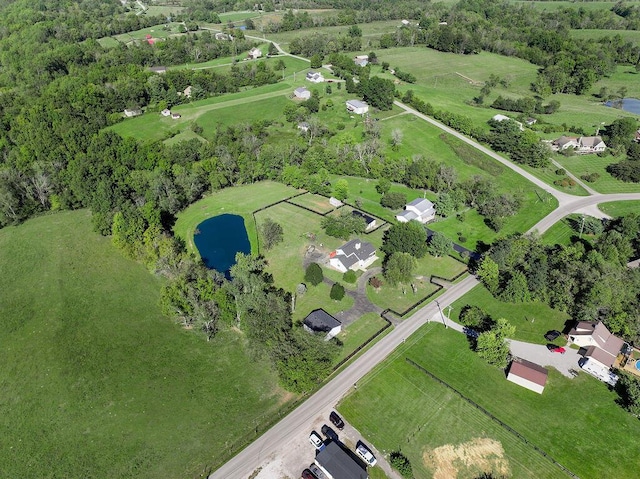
(354, 335)
(532, 320)
(574, 420)
(585, 164)
(240, 200)
(96, 382)
(620, 208)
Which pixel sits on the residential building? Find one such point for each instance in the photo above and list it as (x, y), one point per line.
(596, 342)
(361, 60)
(315, 77)
(132, 112)
(369, 221)
(319, 321)
(166, 112)
(254, 54)
(335, 202)
(583, 145)
(223, 36)
(338, 464)
(528, 375)
(499, 117)
(176, 116)
(420, 209)
(302, 93)
(187, 91)
(355, 254)
(358, 107)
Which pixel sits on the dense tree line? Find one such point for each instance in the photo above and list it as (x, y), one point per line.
(588, 280)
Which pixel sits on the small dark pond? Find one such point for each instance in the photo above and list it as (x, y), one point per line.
(627, 104)
(218, 239)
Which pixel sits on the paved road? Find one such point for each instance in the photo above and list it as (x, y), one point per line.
(241, 466)
(276, 438)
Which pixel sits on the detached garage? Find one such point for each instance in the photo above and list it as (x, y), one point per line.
(528, 375)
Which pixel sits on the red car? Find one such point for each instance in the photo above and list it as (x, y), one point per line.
(556, 349)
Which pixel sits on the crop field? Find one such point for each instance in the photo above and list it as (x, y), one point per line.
(620, 208)
(585, 164)
(96, 382)
(437, 430)
(531, 319)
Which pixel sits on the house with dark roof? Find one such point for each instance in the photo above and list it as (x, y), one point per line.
(420, 209)
(596, 342)
(338, 464)
(319, 321)
(583, 145)
(361, 60)
(315, 77)
(528, 375)
(369, 221)
(355, 254)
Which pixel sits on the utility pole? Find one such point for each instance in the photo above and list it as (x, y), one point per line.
(581, 226)
(449, 308)
(441, 315)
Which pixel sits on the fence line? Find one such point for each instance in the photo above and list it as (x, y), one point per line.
(491, 416)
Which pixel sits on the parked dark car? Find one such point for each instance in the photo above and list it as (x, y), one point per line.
(336, 420)
(307, 474)
(330, 433)
(317, 472)
(552, 335)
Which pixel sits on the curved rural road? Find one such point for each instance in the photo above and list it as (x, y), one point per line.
(276, 438)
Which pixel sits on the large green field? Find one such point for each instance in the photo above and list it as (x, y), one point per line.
(369, 31)
(586, 164)
(398, 406)
(620, 208)
(96, 382)
(553, 5)
(627, 35)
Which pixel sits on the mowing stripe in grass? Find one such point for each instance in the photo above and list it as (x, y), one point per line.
(491, 416)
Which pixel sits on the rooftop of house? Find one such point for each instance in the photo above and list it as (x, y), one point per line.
(529, 371)
(600, 334)
(320, 320)
(339, 464)
(600, 355)
(590, 141)
(354, 251)
(421, 204)
(356, 103)
(301, 89)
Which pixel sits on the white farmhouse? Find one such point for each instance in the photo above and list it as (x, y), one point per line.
(420, 209)
(254, 53)
(302, 93)
(315, 77)
(355, 254)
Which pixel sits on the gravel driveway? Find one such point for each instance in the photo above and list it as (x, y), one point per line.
(539, 354)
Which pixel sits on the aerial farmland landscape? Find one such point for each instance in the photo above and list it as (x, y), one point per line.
(320, 239)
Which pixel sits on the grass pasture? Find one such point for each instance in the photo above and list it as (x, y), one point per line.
(560, 233)
(354, 335)
(585, 164)
(531, 320)
(553, 5)
(427, 415)
(96, 382)
(317, 203)
(369, 31)
(240, 200)
(627, 35)
(265, 109)
(156, 31)
(620, 208)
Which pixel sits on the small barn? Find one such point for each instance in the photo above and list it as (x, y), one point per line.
(528, 375)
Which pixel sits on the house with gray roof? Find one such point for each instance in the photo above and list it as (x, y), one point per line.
(337, 464)
(358, 107)
(369, 221)
(583, 145)
(302, 93)
(420, 209)
(355, 255)
(319, 321)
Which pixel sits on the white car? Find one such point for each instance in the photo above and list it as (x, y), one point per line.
(316, 440)
(364, 452)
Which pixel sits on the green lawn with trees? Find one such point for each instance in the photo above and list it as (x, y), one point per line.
(428, 416)
(96, 381)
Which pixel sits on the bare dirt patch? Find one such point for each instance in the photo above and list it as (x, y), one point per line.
(480, 455)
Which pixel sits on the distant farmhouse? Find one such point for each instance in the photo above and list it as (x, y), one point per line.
(132, 112)
(505, 118)
(223, 36)
(420, 209)
(302, 93)
(355, 255)
(166, 112)
(319, 321)
(315, 77)
(159, 70)
(528, 375)
(369, 221)
(358, 107)
(254, 54)
(361, 60)
(583, 145)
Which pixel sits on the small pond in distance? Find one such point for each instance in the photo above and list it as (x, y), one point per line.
(628, 104)
(218, 239)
